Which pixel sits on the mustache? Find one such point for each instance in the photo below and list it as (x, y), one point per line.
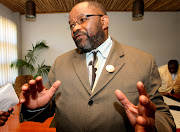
(79, 33)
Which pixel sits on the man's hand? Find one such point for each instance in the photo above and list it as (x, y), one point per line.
(34, 95)
(4, 116)
(141, 117)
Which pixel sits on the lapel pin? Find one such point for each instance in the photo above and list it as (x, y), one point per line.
(110, 68)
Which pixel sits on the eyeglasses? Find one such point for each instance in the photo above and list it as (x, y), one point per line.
(81, 20)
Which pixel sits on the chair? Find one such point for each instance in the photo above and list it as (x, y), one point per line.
(20, 81)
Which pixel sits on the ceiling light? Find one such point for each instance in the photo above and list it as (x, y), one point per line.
(30, 9)
(138, 8)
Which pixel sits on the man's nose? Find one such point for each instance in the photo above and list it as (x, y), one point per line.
(77, 27)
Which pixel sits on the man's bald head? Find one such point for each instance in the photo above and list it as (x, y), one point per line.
(99, 8)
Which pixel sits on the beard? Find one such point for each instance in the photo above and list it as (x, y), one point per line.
(89, 43)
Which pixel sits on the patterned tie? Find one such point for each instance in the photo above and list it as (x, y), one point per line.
(93, 63)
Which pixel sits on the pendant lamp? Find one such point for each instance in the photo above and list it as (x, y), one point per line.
(138, 8)
(30, 9)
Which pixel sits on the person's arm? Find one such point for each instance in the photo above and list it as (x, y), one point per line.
(151, 114)
(163, 118)
(36, 101)
(36, 115)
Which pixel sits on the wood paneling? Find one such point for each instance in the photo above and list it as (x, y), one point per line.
(54, 6)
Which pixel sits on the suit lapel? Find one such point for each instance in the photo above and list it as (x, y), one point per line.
(115, 58)
(79, 64)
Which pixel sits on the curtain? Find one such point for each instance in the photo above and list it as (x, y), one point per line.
(8, 51)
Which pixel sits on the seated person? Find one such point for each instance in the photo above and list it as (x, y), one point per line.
(170, 76)
(4, 116)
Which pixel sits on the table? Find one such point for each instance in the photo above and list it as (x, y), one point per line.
(173, 100)
(13, 125)
(175, 96)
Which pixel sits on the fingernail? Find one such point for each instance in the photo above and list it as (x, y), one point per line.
(116, 90)
(147, 101)
(59, 82)
(21, 100)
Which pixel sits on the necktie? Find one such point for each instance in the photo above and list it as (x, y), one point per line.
(93, 63)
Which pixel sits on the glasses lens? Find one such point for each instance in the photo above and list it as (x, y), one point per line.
(81, 20)
(71, 26)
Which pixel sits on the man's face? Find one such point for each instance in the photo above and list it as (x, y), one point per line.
(89, 34)
(173, 68)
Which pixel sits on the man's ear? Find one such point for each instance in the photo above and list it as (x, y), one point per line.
(105, 21)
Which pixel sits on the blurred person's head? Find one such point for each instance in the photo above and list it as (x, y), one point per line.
(173, 66)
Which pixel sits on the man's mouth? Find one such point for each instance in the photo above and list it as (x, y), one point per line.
(79, 36)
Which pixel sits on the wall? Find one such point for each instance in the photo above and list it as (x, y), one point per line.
(50, 27)
(158, 34)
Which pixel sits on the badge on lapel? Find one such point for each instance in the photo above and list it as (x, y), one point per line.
(110, 68)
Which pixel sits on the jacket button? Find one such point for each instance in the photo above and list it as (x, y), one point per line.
(90, 102)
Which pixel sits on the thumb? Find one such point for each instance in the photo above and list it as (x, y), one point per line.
(54, 87)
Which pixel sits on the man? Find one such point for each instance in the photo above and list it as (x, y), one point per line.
(4, 116)
(170, 76)
(84, 102)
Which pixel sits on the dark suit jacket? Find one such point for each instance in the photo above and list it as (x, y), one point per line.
(79, 110)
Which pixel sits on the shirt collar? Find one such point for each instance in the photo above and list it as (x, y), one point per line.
(104, 48)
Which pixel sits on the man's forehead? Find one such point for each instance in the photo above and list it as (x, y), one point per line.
(81, 9)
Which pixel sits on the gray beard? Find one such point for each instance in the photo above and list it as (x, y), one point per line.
(91, 42)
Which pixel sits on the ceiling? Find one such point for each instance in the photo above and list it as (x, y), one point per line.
(61, 6)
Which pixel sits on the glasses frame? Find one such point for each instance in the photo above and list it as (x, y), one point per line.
(81, 20)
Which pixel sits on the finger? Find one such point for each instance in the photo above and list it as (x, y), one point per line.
(141, 89)
(2, 122)
(33, 89)
(24, 93)
(146, 107)
(54, 87)
(141, 121)
(146, 122)
(147, 103)
(25, 90)
(32, 86)
(5, 114)
(22, 98)
(39, 83)
(144, 100)
(4, 118)
(122, 98)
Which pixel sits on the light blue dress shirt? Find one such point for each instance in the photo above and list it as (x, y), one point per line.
(102, 54)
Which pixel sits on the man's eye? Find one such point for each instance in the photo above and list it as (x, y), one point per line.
(82, 20)
(71, 26)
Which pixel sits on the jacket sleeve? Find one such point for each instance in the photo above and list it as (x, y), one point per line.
(38, 115)
(164, 121)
